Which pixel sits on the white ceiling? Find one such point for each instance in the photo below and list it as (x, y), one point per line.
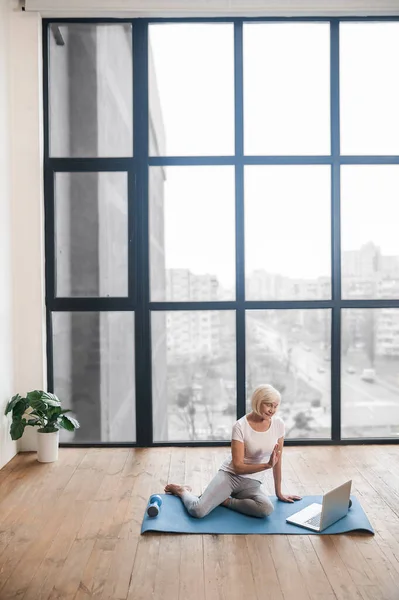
(212, 8)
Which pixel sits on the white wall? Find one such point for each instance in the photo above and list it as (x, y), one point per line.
(22, 309)
(7, 448)
(27, 207)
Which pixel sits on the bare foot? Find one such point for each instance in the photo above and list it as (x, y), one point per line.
(176, 489)
(226, 502)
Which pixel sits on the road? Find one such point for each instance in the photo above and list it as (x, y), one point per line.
(363, 404)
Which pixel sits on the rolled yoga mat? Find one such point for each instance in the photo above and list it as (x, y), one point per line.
(174, 518)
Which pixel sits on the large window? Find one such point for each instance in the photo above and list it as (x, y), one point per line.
(286, 88)
(222, 201)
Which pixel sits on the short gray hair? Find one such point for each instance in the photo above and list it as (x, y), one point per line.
(264, 393)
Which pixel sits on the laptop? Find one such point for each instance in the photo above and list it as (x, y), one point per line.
(320, 516)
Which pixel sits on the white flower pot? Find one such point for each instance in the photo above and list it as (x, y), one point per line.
(47, 446)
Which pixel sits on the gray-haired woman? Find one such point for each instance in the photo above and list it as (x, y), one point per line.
(256, 446)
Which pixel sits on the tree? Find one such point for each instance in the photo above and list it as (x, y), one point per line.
(369, 335)
(301, 422)
(185, 402)
(347, 337)
(200, 383)
(288, 359)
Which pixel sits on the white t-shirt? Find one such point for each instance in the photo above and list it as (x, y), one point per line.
(258, 445)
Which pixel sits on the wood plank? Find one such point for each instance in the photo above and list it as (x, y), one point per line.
(267, 585)
(191, 577)
(12, 465)
(214, 568)
(193, 469)
(16, 477)
(98, 566)
(82, 486)
(126, 524)
(37, 525)
(335, 569)
(71, 574)
(145, 568)
(385, 543)
(311, 569)
(238, 581)
(387, 579)
(71, 530)
(292, 584)
(362, 577)
(191, 573)
(208, 469)
(167, 577)
(376, 476)
(23, 486)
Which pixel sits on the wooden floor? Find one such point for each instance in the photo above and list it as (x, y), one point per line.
(71, 529)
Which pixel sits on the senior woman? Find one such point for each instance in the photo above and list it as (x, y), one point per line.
(256, 446)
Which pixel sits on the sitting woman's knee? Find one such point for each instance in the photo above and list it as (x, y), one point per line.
(265, 508)
(197, 511)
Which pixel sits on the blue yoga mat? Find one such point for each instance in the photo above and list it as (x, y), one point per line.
(174, 518)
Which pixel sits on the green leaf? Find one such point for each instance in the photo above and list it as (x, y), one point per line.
(17, 428)
(74, 422)
(33, 422)
(35, 415)
(19, 408)
(51, 399)
(69, 423)
(34, 396)
(53, 411)
(14, 400)
(39, 405)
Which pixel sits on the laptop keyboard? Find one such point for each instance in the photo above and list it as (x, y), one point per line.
(314, 521)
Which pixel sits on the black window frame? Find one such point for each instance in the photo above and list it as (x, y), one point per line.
(137, 168)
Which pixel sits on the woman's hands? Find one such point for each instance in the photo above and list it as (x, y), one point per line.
(275, 459)
(288, 498)
(275, 455)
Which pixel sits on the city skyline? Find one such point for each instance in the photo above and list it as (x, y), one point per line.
(356, 264)
(278, 219)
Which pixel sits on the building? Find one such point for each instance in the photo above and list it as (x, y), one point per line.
(368, 274)
(94, 357)
(262, 285)
(192, 334)
(183, 286)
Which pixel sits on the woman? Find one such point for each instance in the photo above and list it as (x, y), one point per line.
(256, 446)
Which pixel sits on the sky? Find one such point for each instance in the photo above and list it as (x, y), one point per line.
(286, 111)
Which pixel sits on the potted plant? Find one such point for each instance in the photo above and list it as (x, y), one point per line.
(43, 410)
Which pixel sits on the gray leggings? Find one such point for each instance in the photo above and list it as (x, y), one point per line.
(245, 493)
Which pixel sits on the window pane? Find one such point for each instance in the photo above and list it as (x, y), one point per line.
(287, 88)
(91, 234)
(369, 231)
(291, 349)
(287, 232)
(91, 90)
(193, 375)
(370, 373)
(191, 89)
(369, 88)
(192, 233)
(94, 374)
